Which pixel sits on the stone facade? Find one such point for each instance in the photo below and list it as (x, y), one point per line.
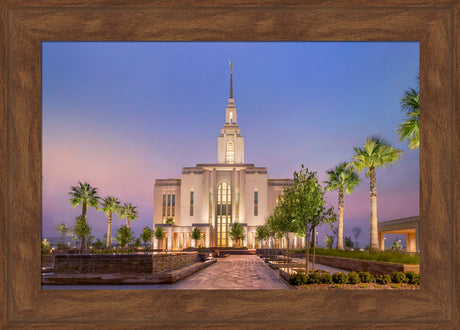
(122, 264)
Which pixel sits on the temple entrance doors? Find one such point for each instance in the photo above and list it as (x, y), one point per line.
(223, 213)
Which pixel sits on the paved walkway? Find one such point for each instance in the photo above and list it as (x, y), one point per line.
(236, 272)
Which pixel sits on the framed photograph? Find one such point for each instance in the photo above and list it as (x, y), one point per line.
(25, 26)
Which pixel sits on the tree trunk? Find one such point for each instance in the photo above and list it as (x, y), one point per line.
(340, 224)
(374, 243)
(307, 250)
(109, 230)
(314, 249)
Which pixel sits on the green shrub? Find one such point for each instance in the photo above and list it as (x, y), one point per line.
(340, 278)
(398, 277)
(413, 278)
(298, 279)
(353, 278)
(366, 277)
(326, 278)
(314, 278)
(383, 279)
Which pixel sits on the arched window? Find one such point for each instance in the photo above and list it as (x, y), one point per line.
(230, 153)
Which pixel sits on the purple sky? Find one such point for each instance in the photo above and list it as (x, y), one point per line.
(120, 115)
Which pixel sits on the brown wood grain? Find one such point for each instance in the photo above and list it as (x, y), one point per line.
(25, 24)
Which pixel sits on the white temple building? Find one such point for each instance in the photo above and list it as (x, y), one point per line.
(214, 196)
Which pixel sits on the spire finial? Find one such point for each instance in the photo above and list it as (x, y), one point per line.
(231, 78)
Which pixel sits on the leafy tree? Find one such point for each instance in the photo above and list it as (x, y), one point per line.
(159, 234)
(146, 235)
(274, 229)
(262, 234)
(99, 244)
(137, 242)
(196, 235)
(308, 206)
(82, 230)
(375, 153)
(170, 221)
(63, 230)
(329, 241)
(344, 179)
(109, 206)
(237, 233)
(410, 129)
(396, 246)
(128, 212)
(348, 242)
(84, 195)
(356, 232)
(124, 236)
(45, 245)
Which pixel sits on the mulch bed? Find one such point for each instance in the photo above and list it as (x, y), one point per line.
(361, 286)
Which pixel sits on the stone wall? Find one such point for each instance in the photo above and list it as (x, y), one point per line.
(359, 265)
(123, 264)
(172, 261)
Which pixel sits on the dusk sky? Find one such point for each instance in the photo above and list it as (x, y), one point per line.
(119, 115)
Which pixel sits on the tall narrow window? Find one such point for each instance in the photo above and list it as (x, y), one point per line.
(256, 203)
(173, 211)
(230, 153)
(210, 208)
(169, 206)
(191, 203)
(237, 207)
(163, 214)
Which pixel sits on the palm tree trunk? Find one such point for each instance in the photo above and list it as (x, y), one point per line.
(340, 229)
(374, 244)
(83, 239)
(109, 230)
(127, 223)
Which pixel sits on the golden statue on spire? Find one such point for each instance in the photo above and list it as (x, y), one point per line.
(231, 66)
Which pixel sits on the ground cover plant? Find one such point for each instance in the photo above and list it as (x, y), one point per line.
(386, 256)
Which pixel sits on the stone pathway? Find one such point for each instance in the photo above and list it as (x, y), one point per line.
(236, 272)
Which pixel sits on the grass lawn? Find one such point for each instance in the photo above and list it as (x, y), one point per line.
(396, 257)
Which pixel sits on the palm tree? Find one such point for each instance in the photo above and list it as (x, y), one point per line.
(376, 152)
(84, 195)
(344, 179)
(109, 206)
(128, 212)
(410, 129)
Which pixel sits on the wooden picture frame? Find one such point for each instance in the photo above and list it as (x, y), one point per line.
(25, 24)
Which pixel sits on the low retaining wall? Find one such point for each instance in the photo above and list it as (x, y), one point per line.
(360, 265)
(123, 264)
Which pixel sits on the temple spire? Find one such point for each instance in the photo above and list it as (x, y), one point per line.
(231, 79)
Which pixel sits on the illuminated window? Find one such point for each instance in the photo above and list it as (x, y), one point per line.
(230, 154)
(224, 213)
(191, 203)
(256, 203)
(231, 117)
(169, 206)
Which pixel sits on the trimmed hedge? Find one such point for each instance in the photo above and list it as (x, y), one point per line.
(354, 278)
(398, 277)
(340, 278)
(366, 277)
(382, 279)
